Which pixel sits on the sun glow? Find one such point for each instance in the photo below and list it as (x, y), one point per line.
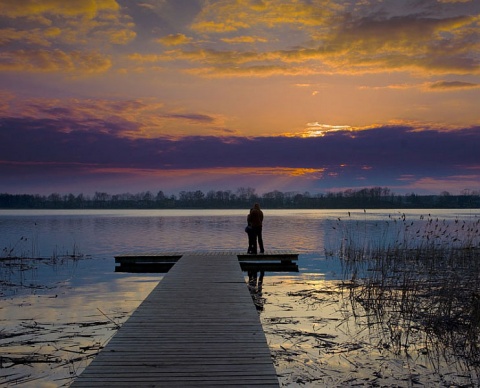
(226, 171)
(317, 129)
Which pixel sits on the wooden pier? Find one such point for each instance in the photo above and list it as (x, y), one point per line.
(198, 327)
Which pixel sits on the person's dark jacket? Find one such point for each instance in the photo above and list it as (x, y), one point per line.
(256, 217)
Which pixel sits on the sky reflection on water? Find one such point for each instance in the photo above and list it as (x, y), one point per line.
(83, 300)
(60, 314)
(106, 233)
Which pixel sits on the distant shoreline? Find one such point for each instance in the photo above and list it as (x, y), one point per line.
(362, 208)
(368, 198)
(244, 207)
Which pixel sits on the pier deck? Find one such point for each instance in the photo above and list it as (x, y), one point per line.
(198, 327)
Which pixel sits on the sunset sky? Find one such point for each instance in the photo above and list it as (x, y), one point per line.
(318, 96)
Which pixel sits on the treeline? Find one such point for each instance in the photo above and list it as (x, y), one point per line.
(367, 198)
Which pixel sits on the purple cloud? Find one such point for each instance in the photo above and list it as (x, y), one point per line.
(447, 85)
(192, 117)
(396, 148)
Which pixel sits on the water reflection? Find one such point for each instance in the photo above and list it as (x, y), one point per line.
(105, 233)
(255, 286)
(55, 317)
(318, 340)
(62, 312)
(415, 284)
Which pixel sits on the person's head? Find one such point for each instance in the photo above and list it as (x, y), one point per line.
(256, 206)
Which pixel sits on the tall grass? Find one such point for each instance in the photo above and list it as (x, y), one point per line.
(417, 280)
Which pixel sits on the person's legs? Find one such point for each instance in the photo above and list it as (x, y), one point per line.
(254, 241)
(251, 242)
(260, 240)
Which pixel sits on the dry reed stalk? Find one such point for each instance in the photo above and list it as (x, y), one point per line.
(416, 280)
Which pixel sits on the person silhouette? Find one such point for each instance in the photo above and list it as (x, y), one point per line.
(255, 220)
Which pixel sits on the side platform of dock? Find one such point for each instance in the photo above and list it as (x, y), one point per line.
(273, 260)
(198, 327)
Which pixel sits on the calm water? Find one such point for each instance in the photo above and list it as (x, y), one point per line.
(104, 234)
(100, 235)
(64, 305)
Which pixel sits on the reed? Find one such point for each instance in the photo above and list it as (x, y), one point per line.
(19, 264)
(418, 281)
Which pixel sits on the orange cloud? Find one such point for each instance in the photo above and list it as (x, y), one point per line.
(144, 58)
(38, 37)
(332, 41)
(316, 173)
(32, 8)
(229, 16)
(251, 71)
(52, 24)
(115, 35)
(174, 40)
(315, 37)
(244, 39)
(378, 48)
(42, 61)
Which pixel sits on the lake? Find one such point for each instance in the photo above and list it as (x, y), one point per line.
(103, 234)
(65, 308)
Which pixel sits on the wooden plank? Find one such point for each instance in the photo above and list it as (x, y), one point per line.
(198, 327)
